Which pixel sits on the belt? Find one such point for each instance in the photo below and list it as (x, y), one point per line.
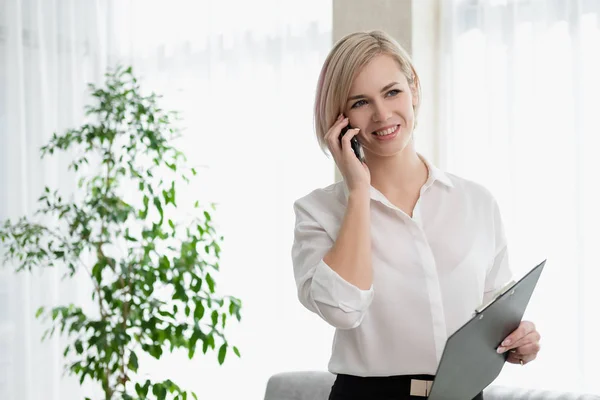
(420, 387)
(350, 386)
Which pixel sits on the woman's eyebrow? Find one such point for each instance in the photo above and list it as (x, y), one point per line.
(360, 96)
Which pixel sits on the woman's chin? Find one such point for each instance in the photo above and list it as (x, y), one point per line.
(394, 148)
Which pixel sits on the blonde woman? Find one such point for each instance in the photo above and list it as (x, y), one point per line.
(398, 254)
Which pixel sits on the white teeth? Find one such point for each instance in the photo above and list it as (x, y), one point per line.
(387, 131)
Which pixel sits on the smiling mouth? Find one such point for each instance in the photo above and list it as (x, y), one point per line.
(386, 132)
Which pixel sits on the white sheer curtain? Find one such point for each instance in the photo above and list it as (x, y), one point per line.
(48, 51)
(243, 75)
(521, 96)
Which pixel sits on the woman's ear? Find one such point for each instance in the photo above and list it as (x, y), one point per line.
(415, 96)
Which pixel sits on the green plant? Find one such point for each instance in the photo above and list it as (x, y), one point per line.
(152, 274)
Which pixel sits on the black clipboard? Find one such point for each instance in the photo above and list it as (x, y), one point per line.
(470, 362)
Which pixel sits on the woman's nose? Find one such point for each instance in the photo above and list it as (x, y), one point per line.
(381, 112)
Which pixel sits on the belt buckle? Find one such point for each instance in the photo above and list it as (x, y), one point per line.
(420, 388)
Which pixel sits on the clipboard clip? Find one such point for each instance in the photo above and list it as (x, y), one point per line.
(499, 293)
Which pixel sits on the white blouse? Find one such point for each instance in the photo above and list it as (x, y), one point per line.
(430, 272)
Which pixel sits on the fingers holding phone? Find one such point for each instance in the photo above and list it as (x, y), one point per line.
(354, 144)
(343, 144)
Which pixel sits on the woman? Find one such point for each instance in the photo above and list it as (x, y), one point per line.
(398, 254)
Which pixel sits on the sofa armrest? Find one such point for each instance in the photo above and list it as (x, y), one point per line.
(300, 385)
(502, 392)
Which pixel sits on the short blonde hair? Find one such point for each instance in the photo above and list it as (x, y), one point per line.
(346, 58)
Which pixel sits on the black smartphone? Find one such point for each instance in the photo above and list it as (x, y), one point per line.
(353, 143)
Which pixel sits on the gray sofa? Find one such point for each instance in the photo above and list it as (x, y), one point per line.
(315, 385)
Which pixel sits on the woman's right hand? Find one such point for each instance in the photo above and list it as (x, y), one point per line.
(356, 173)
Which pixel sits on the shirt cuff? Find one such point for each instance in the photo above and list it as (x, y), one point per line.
(330, 288)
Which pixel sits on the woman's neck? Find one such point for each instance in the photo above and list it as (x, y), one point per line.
(402, 174)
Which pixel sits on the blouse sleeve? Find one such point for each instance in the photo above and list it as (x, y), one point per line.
(321, 289)
(499, 273)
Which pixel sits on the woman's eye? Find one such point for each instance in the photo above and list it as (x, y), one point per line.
(358, 104)
(391, 93)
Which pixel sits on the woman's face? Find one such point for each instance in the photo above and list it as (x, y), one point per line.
(381, 104)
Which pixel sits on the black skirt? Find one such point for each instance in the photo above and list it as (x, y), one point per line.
(349, 387)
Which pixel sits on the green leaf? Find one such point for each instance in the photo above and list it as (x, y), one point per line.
(236, 351)
(133, 362)
(211, 283)
(158, 206)
(222, 353)
(78, 347)
(143, 214)
(82, 377)
(199, 311)
(159, 391)
(97, 269)
(164, 263)
(155, 351)
(196, 285)
(234, 307)
(39, 312)
(128, 237)
(144, 389)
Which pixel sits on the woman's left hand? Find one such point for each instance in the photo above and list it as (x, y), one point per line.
(523, 344)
